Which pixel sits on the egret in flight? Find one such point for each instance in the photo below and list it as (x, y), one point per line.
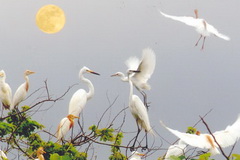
(136, 156)
(65, 125)
(145, 68)
(40, 153)
(176, 150)
(80, 97)
(5, 91)
(139, 113)
(224, 138)
(201, 25)
(22, 90)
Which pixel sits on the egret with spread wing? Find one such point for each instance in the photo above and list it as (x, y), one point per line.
(5, 91)
(80, 97)
(145, 68)
(224, 138)
(201, 25)
(22, 90)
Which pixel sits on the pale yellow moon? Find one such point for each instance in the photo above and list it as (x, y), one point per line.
(50, 19)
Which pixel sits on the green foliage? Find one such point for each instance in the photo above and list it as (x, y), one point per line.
(105, 134)
(236, 156)
(191, 130)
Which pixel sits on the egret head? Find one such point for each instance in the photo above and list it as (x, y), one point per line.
(40, 150)
(117, 74)
(2, 73)
(28, 72)
(137, 155)
(87, 70)
(198, 133)
(71, 117)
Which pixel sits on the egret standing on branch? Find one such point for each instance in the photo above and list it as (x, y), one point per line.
(145, 68)
(139, 113)
(80, 97)
(202, 27)
(65, 125)
(22, 90)
(224, 138)
(5, 91)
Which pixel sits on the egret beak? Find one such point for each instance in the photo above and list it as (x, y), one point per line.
(1, 74)
(90, 71)
(113, 75)
(76, 117)
(141, 154)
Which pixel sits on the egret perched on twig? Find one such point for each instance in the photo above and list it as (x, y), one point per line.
(5, 91)
(65, 125)
(80, 97)
(22, 90)
(40, 153)
(176, 150)
(3, 155)
(201, 25)
(224, 138)
(139, 113)
(136, 155)
(145, 68)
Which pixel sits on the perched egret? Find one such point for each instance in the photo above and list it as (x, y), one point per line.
(202, 27)
(139, 112)
(5, 91)
(176, 150)
(145, 68)
(224, 138)
(3, 155)
(136, 155)
(40, 153)
(80, 97)
(22, 90)
(65, 125)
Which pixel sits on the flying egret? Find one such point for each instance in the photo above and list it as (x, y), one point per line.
(145, 68)
(3, 155)
(136, 155)
(5, 91)
(40, 153)
(22, 90)
(80, 97)
(65, 125)
(202, 27)
(176, 150)
(224, 138)
(139, 112)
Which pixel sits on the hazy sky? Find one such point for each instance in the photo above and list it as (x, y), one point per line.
(102, 34)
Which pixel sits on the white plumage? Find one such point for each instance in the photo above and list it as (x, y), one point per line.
(136, 156)
(22, 90)
(176, 150)
(80, 97)
(225, 138)
(201, 26)
(2, 155)
(5, 91)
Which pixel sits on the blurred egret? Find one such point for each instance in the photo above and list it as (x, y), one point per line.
(80, 97)
(40, 153)
(139, 112)
(176, 150)
(5, 91)
(136, 155)
(224, 138)
(22, 90)
(65, 125)
(145, 68)
(202, 27)
(3, 155)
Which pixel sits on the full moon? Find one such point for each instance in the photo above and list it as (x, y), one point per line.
(50, 19)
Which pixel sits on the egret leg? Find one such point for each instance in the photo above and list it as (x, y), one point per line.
(203, 42)
(132, 148)
(198, 40)
(146, 147)
(145, 99)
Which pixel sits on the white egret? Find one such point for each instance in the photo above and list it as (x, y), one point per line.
(80, 97)
(3, 155)
(202, 27)
(136, 156)
(224, 138)
(139, 113)
(65, 125)
(176, 150)
(40, 153)
(5, 91)
(22, 90)
(145, 68)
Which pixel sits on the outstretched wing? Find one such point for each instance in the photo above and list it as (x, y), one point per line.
(191, 21)
(215, 32)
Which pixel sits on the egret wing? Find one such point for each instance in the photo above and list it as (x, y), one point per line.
(63, 128)
(191, 21)
(215, 32)
(132, 63)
